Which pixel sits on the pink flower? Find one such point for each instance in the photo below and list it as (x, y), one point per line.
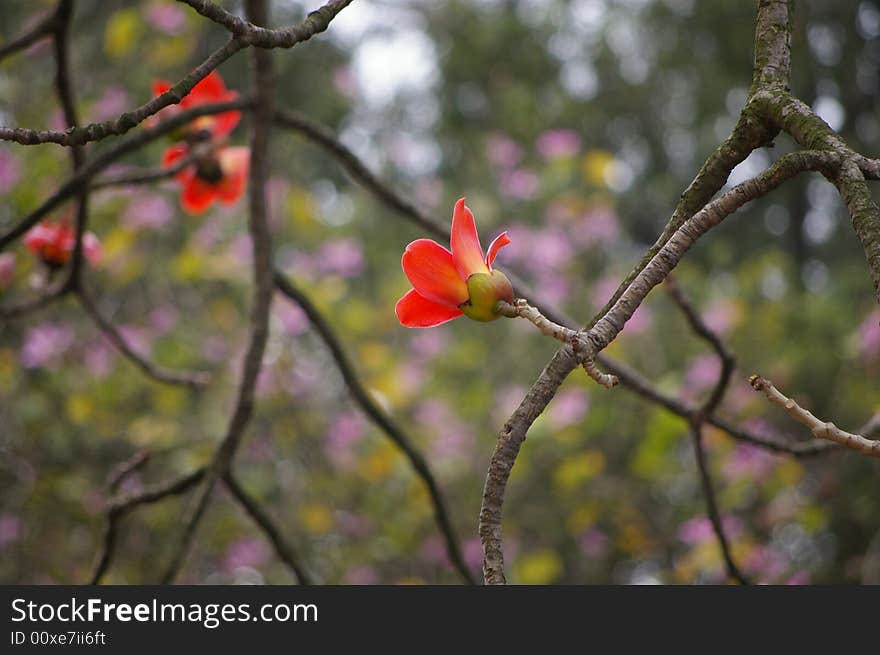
(554, 144)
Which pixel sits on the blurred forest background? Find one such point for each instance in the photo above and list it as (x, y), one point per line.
(575, 125)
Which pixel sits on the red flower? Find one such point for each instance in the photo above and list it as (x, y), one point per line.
(53, 243)
(220, 175)
(448, 284)
(210, 90)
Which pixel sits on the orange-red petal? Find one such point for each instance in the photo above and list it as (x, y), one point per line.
(416, 311)
(172, 155)
(497, 244)
(197, 195)
(235, 164)
(209, 89)
(160, 87)
(431, 271)
(467, 253)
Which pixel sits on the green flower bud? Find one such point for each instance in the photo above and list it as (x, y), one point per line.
(484, 292)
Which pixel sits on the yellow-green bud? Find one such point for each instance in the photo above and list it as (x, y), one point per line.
(484, 292)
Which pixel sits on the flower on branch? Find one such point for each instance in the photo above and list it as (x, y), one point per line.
(210, 90)
(53, 243)
(447, 284)
(219, 174)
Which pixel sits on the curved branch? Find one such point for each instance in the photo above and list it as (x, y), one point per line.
(261, 240)
(152, 370)
(103, 160)
(284, 550)
(697, 420)
(820, 429)
(262, 37)
(119, 507)
(381, 420)
(76, 136)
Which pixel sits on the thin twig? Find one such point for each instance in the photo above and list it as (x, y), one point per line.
(151, 369)
(118, 508)
(820, 429)
(41, 29)
(698, 419)
(286, 553)
(97, 164)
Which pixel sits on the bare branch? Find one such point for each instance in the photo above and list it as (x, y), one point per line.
(76, 136)
(94, 166)
(152, 370)
(262, 37)
(261, 240)
(119, 507)
(284, 550)
(697, 420)
(380, 419)
(41, 29)
(820, 429)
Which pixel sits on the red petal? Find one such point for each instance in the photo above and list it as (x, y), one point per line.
(430, 269)
(197, 196)
(416, 311)
(227, 121)
(160, 87)
(209, 89)
(466, 250)
(235, 163)
(497, 244)
(171, 156)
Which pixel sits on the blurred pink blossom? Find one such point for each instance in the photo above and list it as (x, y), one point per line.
(163, 318)
(9, 170)
(248, 551)
(502, 151)
(519, 184)
(148, 211)
(699, 530)
(44, 345)
(748, 461)
(594, 543)
(869, 336)
(720, 316)
(701, 374)
(112, 102)
(554, 144)
(345, 82)
(427, 344)
(7, 269)
(292, 318)
(362, 575)
(166, 17)
(766, 563)
(99, 359)
(344, 432)
(597, 227)
(343, 257)
(799, 578)
(568, 408)
(10, 529)
(214, 348)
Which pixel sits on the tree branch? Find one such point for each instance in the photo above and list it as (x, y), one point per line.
(258, 228)
(283, 549)
(150, 369)
(381, 420)
(820, 429)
